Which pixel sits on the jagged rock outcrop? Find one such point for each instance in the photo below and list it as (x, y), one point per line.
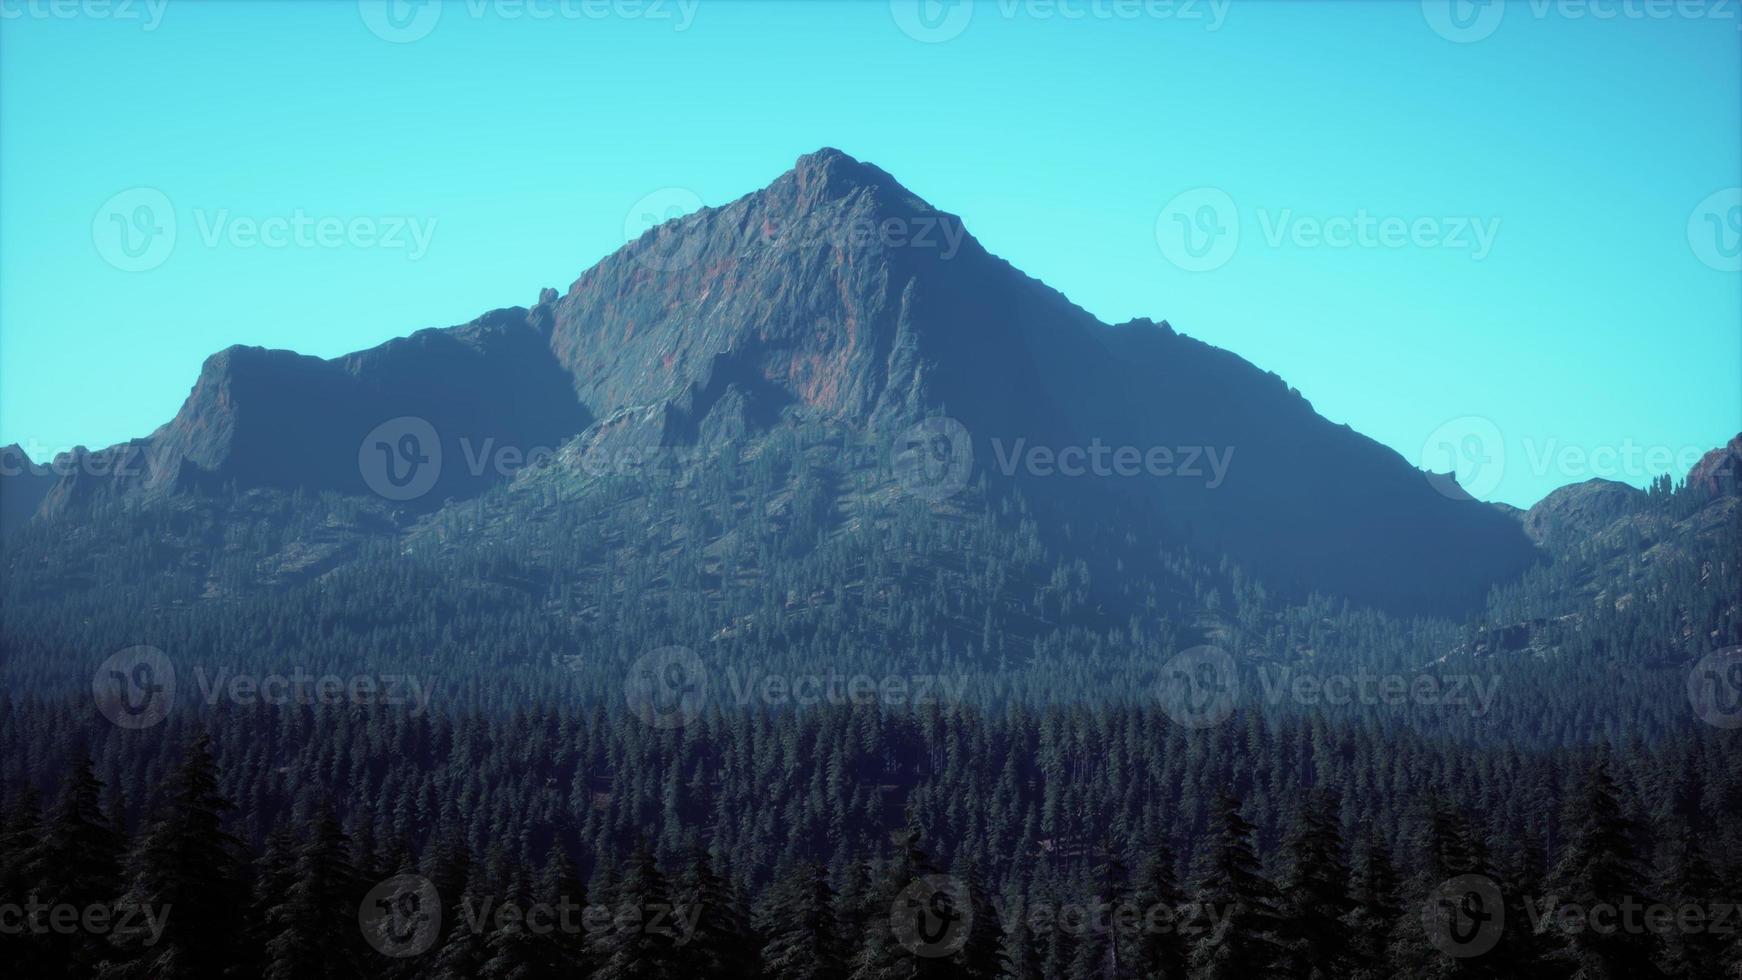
(836, 294)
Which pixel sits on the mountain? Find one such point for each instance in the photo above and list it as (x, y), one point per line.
(1580, 510)
(23, 485)
(1719, 471)
(835, 297)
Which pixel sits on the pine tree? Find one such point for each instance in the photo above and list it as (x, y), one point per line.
(1161, 949)
(560, 892)
(642, 940)
(1315, 897)
(30, 953)
(1689, 882)
(798, 921)
(313, 922)
(722, 943)
(1374, 911)
(1600, 869)
(464, 949)
(76, 864)
(190, 875)
(512, 951)
(883, 954)
(1234, 926)
(982, 955)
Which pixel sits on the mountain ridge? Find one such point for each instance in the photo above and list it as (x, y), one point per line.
(835, 293)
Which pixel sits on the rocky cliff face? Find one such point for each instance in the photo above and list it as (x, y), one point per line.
(1580, 511)
(23, 485)
(834, 293)
(1719, 472)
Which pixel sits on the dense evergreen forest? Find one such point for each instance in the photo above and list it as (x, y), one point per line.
(1019, 796)
(1055, 843)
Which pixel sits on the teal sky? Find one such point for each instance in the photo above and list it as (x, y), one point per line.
(1545, 268)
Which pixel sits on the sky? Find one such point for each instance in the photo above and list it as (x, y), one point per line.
(1501, 239)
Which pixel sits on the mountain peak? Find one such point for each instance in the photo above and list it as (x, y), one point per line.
(829, 175)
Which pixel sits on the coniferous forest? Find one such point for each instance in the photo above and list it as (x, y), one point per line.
(1030, 799)
(795, 588)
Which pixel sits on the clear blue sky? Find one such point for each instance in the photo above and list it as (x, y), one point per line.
(1602, 313)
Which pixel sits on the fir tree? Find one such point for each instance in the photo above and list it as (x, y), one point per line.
(187, 886)
(798, 921)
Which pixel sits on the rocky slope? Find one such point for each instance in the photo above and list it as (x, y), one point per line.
(836, 294)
